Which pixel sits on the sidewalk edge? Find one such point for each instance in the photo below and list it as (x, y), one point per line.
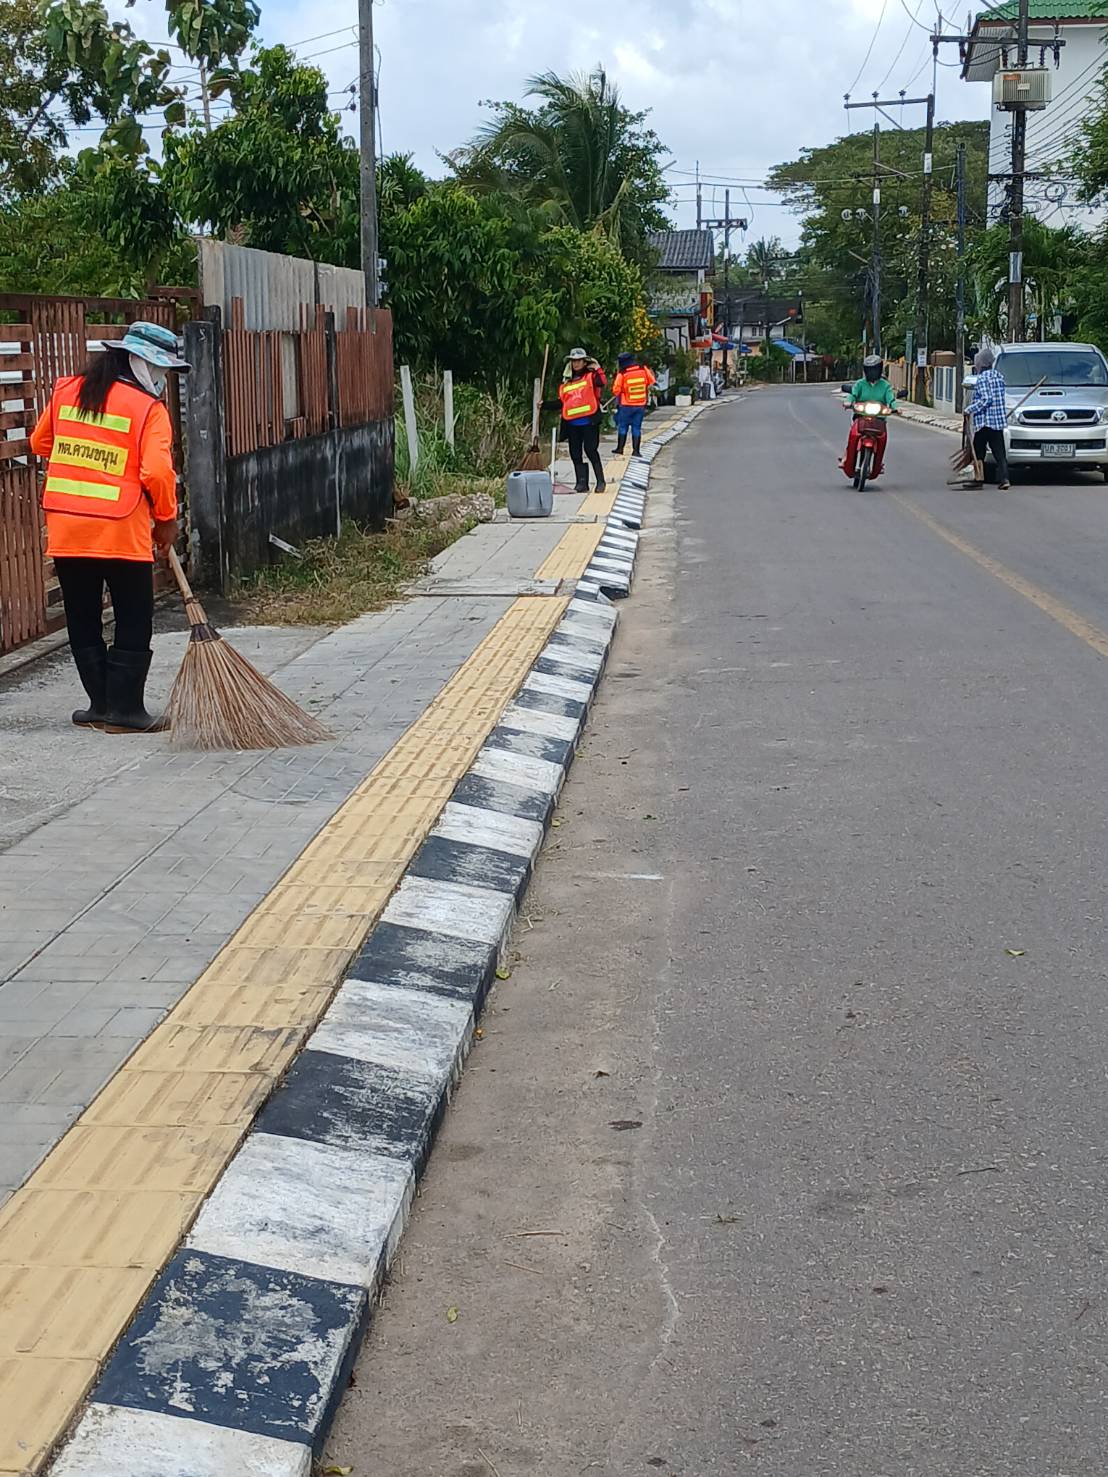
(240, 1352)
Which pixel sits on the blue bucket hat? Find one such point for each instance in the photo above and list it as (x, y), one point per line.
(152, 342)
(624, 360)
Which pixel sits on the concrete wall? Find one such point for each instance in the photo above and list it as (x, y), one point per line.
(304, 489)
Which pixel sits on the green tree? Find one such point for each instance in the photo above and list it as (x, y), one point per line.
(278, 174)
(1052, 261)
(580, 155)
(64, 66)
(763, 259)
(459, 288)
(824, 182)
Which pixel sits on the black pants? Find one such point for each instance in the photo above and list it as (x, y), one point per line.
(584, 441)
(131, 585)
(989, 438)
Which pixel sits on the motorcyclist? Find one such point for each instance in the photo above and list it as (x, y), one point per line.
(873, 386)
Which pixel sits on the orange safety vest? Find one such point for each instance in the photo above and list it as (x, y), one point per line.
(94, 464)
(634, 384)
(579, 397)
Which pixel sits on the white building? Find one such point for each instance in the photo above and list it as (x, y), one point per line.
(1051, 132)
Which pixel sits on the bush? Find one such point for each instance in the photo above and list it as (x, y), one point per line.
(491, 433)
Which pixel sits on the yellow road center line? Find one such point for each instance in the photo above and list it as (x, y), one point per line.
(1077, 625)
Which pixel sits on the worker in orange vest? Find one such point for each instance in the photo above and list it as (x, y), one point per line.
(110, 496)
(631, 387)
(583, 383)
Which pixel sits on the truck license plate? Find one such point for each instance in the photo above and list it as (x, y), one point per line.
(1057, 448)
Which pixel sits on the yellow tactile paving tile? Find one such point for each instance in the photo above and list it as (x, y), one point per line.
(67, 1312)
(569, 560)
(123, 1160)
(38, 1389)
(175, 1099)
(250, 1044)
(136, 1166)
(66, 1228)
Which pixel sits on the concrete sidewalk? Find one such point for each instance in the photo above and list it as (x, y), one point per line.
(127, 866)
(231, 890)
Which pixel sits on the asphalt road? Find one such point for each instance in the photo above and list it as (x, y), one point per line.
(798, 1088)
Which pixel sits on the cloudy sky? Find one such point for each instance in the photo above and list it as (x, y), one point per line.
(739, 85)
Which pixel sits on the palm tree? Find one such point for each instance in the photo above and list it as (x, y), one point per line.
(763, 259)
(580, 156)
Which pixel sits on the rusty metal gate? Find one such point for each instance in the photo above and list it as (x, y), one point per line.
(48, 337)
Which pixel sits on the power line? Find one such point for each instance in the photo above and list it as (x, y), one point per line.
(869, 49)
(913, 17)
(904, 43)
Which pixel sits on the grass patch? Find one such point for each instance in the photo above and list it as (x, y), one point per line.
(340, 579)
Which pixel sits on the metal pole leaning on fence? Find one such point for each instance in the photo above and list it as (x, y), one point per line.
(411, 431)
(448, 405)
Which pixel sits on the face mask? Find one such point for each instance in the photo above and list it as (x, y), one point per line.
(149, 376)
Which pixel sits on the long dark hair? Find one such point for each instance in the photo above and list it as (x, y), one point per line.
(101, 373)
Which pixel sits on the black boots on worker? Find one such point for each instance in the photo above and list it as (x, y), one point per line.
(92, 668)
(126, 689)
(621, 442)
(636, 446)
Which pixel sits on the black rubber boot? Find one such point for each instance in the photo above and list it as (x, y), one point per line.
(601, 485)
(92, 668)
(621, 442)
(126, 687)
(582, 484)
(636, 446)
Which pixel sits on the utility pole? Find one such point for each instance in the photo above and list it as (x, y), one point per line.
(367, 91)
(725, 224)
(1016, 326)
(726, 276)
(922, 281)
(960, 288)
(876, 288)
(699, 211)
(879, 106)
(205, 98)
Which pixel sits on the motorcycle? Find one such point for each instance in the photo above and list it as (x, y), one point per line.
(872, 434)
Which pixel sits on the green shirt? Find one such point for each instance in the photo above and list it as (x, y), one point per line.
(881, 391)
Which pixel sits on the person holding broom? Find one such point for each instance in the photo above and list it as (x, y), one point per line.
(583, 382)
(110, 496)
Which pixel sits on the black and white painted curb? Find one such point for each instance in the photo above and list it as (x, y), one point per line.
(239, 1354)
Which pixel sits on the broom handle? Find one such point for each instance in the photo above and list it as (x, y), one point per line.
(179, 575)
(536, 399)
(1027, 397)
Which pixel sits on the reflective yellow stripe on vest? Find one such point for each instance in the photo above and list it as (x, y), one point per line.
(69, 485)
(109, 422)
(94, 456)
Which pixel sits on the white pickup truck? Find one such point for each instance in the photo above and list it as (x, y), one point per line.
(1065, 421)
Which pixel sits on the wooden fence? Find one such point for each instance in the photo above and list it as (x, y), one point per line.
(281, 386)
(46, 337)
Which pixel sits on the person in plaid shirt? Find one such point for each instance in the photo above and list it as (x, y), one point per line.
(989, 415)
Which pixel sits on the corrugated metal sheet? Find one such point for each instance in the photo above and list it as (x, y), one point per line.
(274, 289)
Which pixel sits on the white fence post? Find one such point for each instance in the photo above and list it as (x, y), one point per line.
(448, 405)
(410, 429)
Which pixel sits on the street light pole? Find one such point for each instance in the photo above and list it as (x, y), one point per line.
(1016, 326)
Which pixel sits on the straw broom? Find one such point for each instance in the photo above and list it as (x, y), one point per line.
(533, 459)
(219, 700)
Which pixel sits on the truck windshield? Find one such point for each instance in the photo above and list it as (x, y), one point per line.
(1062, 367)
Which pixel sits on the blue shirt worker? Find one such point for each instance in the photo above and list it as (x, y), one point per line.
(988, 412)
(631, 387)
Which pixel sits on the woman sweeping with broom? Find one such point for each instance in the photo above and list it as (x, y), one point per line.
(110, 496)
